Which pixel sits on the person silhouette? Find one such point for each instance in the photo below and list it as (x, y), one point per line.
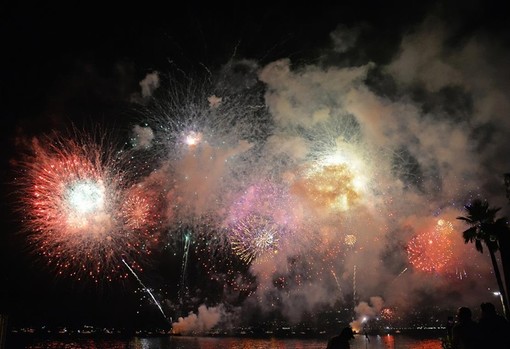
(465, 332)
(494, 328)
(341, 341)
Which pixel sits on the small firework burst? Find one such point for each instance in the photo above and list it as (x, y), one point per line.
(254, 236)
(350, 239)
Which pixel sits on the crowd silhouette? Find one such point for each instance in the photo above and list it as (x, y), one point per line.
(490, 331)
(341, 341)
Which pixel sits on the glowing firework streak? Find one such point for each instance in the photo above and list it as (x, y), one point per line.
(146, 289)
(187, 244)
(402, 272)
(354, 295)
(461, 274)
(337, 282)
(75, 206)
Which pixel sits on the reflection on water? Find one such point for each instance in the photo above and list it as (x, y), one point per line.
(360, 342)
(392, 342)
(169, 342)
(69, 344)
(225, 343)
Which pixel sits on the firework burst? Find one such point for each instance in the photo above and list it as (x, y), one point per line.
(204, 112)
(335, 181)
(432, 251)
(255, 236)
(78, 216)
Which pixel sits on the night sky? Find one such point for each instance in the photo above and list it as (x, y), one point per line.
(423, 87)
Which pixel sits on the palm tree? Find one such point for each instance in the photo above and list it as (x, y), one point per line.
(484, 227)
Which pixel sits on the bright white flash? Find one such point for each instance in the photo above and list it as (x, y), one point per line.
(355, 164)
(86, 196)
(193, 138)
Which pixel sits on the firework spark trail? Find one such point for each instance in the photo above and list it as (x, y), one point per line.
(354, 288)
(402, 272)
(184, 268)
(337, 282)
(146, 290)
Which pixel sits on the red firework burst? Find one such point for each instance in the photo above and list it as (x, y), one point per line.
(431, 251)
(78, 215)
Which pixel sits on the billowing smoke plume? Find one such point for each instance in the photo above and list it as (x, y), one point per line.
(365, 312)
(294, 188)
(199, 323)
(335, 183)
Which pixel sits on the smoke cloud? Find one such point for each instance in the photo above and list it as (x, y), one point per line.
(296, 187)
(359, 185)
(199, 323)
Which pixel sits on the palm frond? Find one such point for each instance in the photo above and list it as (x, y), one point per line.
(466, 219)
(478, 245)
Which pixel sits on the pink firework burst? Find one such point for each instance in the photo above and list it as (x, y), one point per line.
(258, 222)
(77, 213)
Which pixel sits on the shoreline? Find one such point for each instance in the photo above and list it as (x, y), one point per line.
(126, 335)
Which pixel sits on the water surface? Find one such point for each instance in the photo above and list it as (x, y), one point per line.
(177, 342)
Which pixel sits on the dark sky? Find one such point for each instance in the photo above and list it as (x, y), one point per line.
(81, 62)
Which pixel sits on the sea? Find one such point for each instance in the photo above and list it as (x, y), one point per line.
(386, 341)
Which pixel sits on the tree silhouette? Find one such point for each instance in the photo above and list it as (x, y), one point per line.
(486, 229)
